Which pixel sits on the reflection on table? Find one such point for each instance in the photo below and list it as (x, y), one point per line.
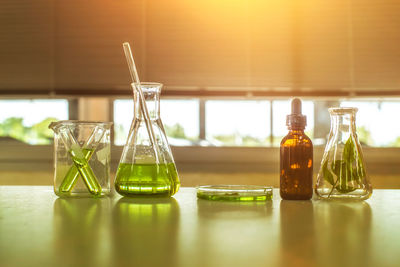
(39, 229)
(144, 231)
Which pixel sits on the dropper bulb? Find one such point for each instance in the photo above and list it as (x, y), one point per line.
(296, 120)
(296, 106)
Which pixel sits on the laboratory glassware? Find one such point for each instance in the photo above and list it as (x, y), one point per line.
(342, 174)
(81, 158)
(147, 167)
(296, 158)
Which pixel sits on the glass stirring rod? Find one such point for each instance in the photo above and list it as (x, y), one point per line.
(142, 101)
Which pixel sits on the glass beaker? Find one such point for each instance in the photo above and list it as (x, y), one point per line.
(81, 158)
(342, 174)
(146, 168)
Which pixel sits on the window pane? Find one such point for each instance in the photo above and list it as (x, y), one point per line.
(238, 123)
(28, 120)
(282, 108)
(123, 115)
(180, 119)
(375, 125)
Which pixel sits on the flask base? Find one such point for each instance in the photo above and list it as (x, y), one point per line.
(145, 190)
(357, 194)
(147, 180)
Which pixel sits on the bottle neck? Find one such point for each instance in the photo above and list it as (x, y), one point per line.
(296, 131)
(152, 99)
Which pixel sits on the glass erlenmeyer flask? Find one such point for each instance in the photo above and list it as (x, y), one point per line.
(144, 168)
(342, 173)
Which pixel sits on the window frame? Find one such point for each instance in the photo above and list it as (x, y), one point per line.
(21, 157)
(24, 157)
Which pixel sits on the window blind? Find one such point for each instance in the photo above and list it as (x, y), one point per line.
(205, 47)
(26, 45)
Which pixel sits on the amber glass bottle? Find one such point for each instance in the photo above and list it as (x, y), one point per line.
(296, 157)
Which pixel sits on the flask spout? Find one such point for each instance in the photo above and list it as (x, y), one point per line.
(151, 94)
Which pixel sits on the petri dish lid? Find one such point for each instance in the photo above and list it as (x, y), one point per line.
(234, 192)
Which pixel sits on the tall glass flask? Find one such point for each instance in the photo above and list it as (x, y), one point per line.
(342, 174)
(146, 168)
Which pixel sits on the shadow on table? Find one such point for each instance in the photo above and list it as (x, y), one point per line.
(145, 231)
(343, 233)
(78, 235)
(325, 233)
(297, 233)
(234, 210)
(233, 233)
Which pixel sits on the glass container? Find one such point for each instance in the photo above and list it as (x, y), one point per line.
(342, 174)
(296, 158)
(147, 169)
(234, 192)
(81, 158)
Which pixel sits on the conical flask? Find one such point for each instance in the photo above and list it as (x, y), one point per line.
(147, 168)
(342, 174)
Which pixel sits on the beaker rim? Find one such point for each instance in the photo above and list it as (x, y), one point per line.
(343, 110)
(150, 84)
(56, 124)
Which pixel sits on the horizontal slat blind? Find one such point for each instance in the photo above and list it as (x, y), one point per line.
(225, 44)
(321, 40)
(89, 41)
(376, 44)
(208, 46)
(26, 44)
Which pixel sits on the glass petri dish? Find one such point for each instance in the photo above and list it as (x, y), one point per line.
(234, 192)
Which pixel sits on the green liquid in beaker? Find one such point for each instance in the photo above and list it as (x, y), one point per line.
(147, 179)
(72, 175)
(86, 172)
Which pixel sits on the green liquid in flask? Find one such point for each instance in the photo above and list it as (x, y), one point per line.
(147, 179)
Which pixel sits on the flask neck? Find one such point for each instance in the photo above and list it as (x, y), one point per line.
(151, 95)
(343, 125)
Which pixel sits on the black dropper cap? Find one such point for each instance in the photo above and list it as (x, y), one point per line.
(296, 120)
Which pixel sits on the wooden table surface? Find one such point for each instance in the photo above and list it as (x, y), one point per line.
(39, 229)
